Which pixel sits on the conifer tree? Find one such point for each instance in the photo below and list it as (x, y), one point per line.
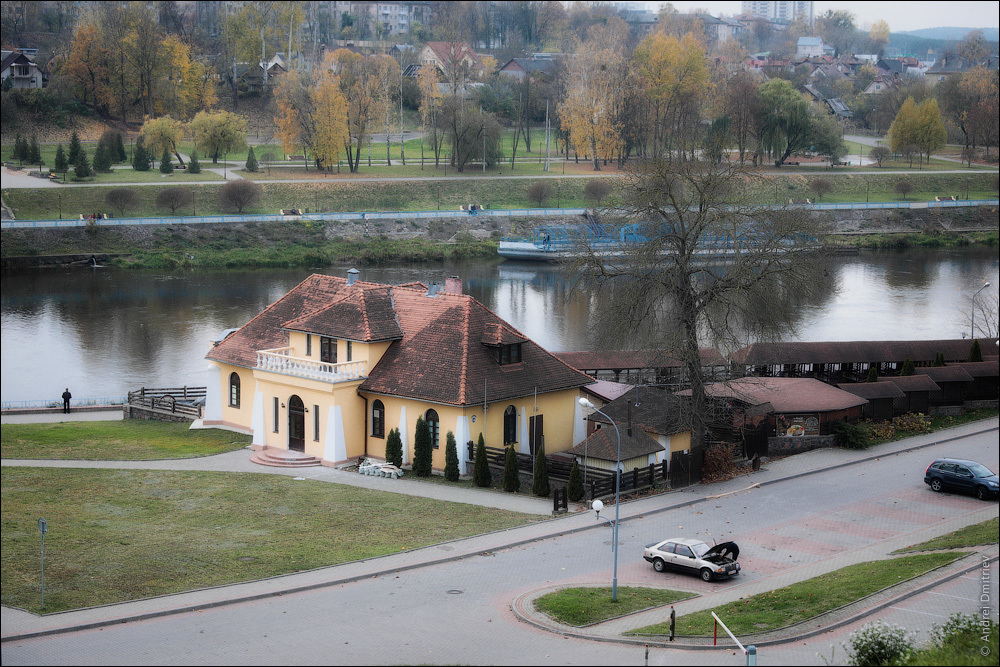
(511, 477)
(907, 368)
(251, 162)
(394, 448)
(451, 471)
(481, 476)
(938, 359)
(872, 375)
(102, 158)
(165, 165)
(35, 154)
(422, 449)
(120, 148)
(81, 168)
(540, 481)
(74, 148)
(575, 490)
(62, 164)
(194, 167)
(975, 354)
(140, 159)
(18, 148)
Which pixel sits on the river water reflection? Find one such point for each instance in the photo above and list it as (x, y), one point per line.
(102, 332)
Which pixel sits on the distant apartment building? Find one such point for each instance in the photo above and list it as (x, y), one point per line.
(785, 10)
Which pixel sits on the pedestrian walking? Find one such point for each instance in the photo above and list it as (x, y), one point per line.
(66, 396)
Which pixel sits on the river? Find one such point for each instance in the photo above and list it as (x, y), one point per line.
(103, 331)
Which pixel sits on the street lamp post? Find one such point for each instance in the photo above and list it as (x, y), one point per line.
(598, 505)
(985, 285)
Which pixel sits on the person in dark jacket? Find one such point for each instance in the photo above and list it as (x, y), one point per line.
(66, 396)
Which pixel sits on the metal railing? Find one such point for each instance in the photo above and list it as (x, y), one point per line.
(57, 403)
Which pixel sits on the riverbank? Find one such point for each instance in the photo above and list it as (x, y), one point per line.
(372, 242)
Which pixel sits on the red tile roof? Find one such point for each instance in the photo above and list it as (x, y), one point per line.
(603, 444)
(917, 382)
(947, 374)
(872, 390)
(622, 359)
(980, 369)
(438, 356)
(831, 352)
(785, 394)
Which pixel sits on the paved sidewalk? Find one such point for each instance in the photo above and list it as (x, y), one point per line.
(19, 624)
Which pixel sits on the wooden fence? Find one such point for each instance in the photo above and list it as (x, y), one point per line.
(175, 400)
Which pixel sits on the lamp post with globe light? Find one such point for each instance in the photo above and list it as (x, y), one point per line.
(598, 505)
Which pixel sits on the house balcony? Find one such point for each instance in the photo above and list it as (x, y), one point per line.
(280, 360)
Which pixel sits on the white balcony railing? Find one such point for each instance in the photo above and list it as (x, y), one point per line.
(279, 360)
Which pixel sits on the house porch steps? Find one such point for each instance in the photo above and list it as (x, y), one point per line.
(283, 458)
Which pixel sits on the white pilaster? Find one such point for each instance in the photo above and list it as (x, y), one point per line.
(257, 419)
(213, 394)
(335, 446)
(404, 436)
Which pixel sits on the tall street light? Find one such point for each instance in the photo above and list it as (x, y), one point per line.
(985, 285)
(598, 505)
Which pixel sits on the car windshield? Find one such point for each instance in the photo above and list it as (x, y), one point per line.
(700, 549)
(979, 470)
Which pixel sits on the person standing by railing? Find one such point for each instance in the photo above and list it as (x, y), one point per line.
(66, 396)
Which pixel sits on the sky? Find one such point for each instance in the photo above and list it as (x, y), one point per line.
(900, 16)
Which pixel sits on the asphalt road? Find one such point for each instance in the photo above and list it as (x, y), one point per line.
(460, 612)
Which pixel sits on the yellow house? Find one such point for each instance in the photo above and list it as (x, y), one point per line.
(335, 364)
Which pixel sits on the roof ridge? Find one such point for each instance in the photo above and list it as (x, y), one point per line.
(463, 376)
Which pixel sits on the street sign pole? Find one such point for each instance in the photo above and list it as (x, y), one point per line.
(43, 528)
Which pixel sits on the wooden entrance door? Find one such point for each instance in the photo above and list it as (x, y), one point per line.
(296, 424)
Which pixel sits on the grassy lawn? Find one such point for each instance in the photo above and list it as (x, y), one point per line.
(806, 599)
(976, 534)
(585, 606)
(134, 440)
(122, 535)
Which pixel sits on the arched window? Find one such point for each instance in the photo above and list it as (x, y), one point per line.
(509, 425)
(234, 390)
(378, 420)
(434, 424)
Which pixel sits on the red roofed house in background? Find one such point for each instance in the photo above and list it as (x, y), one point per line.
(332, 366)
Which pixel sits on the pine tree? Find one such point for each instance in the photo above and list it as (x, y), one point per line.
(422, 449)
(102, 158)
(74, 148)
(140, 159)
(62, 164)
(194, 167)
(907, 368)
(938, 359)
(251, 162)
(872, 374)
(481, 476)
(36, 154)
(575, 491)
(120, 148)
(19, 148)
(394, 448)
(540, 483)
(975, 354)
(165, 165)
(511, 477)
(451, 472)
(81, 168)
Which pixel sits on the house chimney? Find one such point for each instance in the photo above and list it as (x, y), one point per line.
(453, 285)
(433, 289)
(352, 276)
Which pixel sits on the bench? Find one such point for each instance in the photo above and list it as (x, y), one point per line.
(946, 198)
(291, 211)
(789, 163)
(296, 157)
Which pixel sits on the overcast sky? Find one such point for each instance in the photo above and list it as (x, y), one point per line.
(899, 15)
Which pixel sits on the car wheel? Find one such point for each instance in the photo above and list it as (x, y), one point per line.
(982, 493)
(659, 565)
(936, 485)
(706, 574)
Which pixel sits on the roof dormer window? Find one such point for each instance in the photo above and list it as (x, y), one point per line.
(507, 354)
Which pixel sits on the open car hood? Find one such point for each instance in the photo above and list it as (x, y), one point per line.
(724, 550)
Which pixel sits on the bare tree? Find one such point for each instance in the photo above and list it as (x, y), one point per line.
(821, 187)
(174, 198)
(121, 199)
(596, 190)
(709, 266)
(238, 195)
(904, 188)
(986, 307)
(540, 192)
(880, 154)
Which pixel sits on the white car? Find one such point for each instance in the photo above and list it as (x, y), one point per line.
(694, 556)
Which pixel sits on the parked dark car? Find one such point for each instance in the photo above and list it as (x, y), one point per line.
(962, 476)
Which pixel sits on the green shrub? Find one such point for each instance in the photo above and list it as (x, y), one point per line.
(451, 472)
(872, 374)
(394, 448)
(882, 430)
(938, 359)
(81, 168)
(540, 479)
(975, 354)
(422, 449)
(62, 164)
(74, 148)
(140, 157)
(878, 644)
(481, 472)
(575, 490)
(851, 436)
(907, 368)
(912, 423)
(511, 478)
(166, 167)
(194, 167)
(102, 158)
(251, 165)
